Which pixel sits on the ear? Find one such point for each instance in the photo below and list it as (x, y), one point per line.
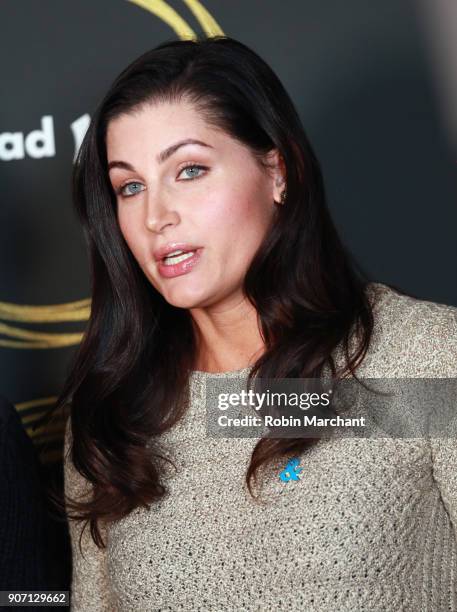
(277, 171)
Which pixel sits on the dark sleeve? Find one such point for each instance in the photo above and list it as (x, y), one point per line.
(23, 514)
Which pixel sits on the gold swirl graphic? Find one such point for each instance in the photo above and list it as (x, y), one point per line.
(27, 339)
(47, 438)
(206, 20)
(168, 15)
(16, 337)
(36, 340)
(71, 311)
(25, 407)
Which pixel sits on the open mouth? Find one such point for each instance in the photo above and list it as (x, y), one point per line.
(179, 262)
(177, 257)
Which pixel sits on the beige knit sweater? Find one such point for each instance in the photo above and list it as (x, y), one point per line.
(370, 525)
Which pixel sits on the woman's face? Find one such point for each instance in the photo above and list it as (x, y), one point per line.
(211, 196)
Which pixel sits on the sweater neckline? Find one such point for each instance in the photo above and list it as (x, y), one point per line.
(202, 375)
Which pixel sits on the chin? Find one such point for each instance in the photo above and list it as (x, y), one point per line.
(186, 299)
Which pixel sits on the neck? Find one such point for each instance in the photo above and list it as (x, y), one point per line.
(228, 338)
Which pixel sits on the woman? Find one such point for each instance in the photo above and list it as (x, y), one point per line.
(213, 253)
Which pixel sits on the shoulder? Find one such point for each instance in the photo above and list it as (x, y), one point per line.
(411, 337)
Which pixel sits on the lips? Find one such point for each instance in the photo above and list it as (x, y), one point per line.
(170, 270)
(184, 247)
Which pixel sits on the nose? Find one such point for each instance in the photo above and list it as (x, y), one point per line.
(159, 216)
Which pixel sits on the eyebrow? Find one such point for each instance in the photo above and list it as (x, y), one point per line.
(163, 156)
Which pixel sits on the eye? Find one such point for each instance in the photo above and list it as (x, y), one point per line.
(193, 167)
(121, 189)
(128, 194)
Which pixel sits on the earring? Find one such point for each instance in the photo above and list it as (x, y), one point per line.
(282, 198)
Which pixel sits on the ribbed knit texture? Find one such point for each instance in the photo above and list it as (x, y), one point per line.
(370, 525)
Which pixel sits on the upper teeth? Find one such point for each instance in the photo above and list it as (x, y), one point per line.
(175, 259)
(174, 253)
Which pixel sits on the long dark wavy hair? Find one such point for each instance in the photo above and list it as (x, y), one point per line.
(129, 380)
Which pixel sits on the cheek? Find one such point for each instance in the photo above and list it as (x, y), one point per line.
(130, 231)
(237, 226)
(230, 210)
